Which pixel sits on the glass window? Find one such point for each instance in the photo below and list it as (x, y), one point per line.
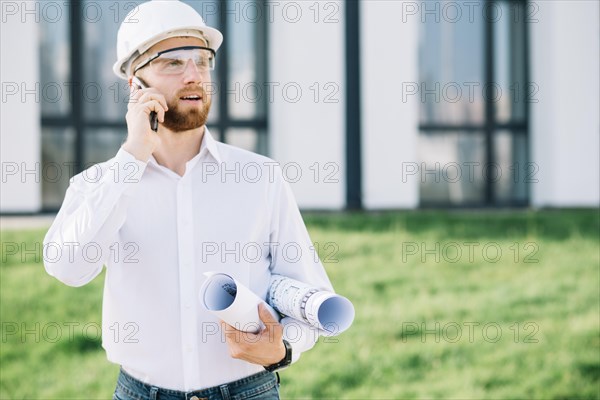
(102, 144)
(55, 68)
(473, 102)
(246, 89)
(104, 94)
(452, 168)
(58, 165)
(509, 64)
(514, 172)
(249, 139)
(451, 65)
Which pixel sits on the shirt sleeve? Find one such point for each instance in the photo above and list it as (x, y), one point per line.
(77, 244)
(294, 255)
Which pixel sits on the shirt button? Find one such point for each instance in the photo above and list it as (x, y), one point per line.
(188, 349)
(187, 306)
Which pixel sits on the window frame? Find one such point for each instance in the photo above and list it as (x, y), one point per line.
(490, 124)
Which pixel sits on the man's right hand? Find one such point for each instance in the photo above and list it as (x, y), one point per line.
(141, 139)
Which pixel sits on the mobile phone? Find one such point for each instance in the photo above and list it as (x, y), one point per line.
(153, 117)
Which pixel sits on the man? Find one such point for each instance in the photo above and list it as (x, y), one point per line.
(170, 206)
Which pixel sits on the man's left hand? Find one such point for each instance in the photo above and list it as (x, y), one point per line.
(263, 348)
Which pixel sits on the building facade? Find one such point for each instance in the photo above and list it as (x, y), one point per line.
(365, 104)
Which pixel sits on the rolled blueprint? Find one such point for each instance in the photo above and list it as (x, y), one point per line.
(237, 305)
(232, 302)
(331, 313)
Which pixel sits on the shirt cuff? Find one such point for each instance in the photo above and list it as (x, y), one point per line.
(299, 335)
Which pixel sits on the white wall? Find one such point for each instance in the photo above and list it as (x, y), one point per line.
(565, 125)
(20, 134)
(389, 52)
(311, 130)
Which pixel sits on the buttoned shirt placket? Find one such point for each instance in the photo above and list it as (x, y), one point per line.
(187, 272)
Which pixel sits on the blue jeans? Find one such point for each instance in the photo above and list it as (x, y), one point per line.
(263, 385)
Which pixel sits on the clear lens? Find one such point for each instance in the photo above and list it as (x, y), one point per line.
(175, 62)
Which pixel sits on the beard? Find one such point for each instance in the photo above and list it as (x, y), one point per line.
(178, 120)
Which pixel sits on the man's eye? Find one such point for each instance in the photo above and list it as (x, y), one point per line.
(168, 62)
(174, 63)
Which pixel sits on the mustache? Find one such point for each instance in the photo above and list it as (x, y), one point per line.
(198, 91)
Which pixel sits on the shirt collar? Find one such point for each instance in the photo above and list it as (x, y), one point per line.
(209, 144)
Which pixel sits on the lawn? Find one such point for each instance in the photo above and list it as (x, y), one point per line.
(449, 305)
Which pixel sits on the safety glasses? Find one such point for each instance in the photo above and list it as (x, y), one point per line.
(174, 61)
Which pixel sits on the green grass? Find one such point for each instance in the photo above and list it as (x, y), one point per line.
(547, 312)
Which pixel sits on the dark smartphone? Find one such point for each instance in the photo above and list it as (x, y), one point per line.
(153, 117)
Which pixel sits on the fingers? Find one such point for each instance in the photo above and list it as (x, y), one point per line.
(150, 100)
(262, 348)
(156, 97)
(227, 329)
(134, 96)
(140, 96)
(141, 140)
(147, 108)
(273, 329)
(154, 105)
(265, 316)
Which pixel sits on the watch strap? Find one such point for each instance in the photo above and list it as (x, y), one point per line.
(285, 361)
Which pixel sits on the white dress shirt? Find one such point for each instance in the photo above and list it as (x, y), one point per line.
(157, 233)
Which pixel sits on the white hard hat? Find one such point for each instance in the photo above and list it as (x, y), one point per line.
(156, 20)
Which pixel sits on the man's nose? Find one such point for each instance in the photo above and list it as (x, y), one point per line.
(191, 72)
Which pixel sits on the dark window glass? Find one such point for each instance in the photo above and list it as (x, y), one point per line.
(452, 168)
(249, 139)
(55, 68)
(451, 64)
(509, 64)
(57, 164)
(246, 79)
(102, 144)
(104, 94)
(514, 171)
(473, 95)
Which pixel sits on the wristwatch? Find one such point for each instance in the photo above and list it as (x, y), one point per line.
(286, 361)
